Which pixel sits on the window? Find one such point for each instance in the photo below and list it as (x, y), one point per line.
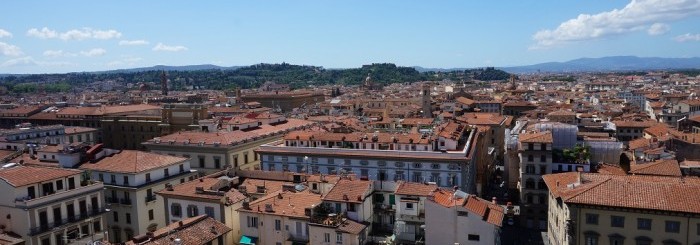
(543, 158)
(643, 224)
(113, 179)
(59, 185)
(591, 238)
(150, 214)
(326, 237)
(201, 161)
(176, 210)
(115, 216)
(71, 183)
(673, 226)
(101, 177)
(339, 238)
(126, 180)
(616, 239)
(409, 206)
(128, 218)
(278, 225)
(192, 211)
(592, 219)
(252, 221)
(182, 168)
(617, 221)
(166, 173)
(148, 177)
(209, 211)
(472, 237)
(217, 162)
(530, 158)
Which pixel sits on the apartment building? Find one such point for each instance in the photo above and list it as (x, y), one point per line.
(535, 160)
(279, 218)
(455, 217)
(131, 179)
(588, 208)
(24, 134)
(214, 151)
(447, 158)
(211, 195)
(410, 211)
(50, 206)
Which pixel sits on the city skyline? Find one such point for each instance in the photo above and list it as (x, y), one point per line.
(82, 36)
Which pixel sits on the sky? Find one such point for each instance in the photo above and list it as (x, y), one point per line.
(74, 36)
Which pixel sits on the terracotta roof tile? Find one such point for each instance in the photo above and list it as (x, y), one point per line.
(130, 161)
(198, 230)
(415, 189)
(539, 137)
(345, 190)
(285, 203)
(661, 167)
(662, 193)
(26, 175)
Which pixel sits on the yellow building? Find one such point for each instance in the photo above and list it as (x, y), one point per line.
(590, 209)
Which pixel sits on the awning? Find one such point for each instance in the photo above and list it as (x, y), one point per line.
(248, 240)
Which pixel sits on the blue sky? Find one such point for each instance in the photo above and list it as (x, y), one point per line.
(67, 36)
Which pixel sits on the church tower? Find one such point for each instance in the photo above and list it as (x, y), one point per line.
(164, 83)
(427, 108)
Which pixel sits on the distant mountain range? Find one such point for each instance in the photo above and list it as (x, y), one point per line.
(174, 68)
(611, 63)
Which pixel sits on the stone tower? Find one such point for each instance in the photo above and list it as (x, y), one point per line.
(425, 100)
(164, 83)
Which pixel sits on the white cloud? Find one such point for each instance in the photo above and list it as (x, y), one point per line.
(24, 61)
(74, 34)
(58, 53)
(163, 47)
(10, 50)
(4, 33)
(132, 42)
(635, 16)
(44, 33)
(687, 37)
(658, 29)
(94, 52)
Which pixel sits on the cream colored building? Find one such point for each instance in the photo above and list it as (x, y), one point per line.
(131, 179)
(50, 206)
(214, 151)
(588, 208)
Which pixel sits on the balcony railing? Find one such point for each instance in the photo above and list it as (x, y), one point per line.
(112, 200)
(27, 202)
(66, 221)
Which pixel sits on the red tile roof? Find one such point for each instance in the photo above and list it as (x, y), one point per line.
(661, 167)
(662, 193)
(352, 191)
(26, 175)
(198, 230)
(285, 203)
(539, 137)
(211, 191)
(130, 161)
(415, 189)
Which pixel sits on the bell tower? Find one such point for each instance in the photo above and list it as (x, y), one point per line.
(426, 100)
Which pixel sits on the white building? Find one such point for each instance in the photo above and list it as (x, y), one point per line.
(447, 158)
(49, 206)
(131, 179)
(455, 217)
(410, 210)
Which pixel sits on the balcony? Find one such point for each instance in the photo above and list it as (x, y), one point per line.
(302, 238)
(150, 198)
(112, 200)
(64, 222)
(27, 203)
